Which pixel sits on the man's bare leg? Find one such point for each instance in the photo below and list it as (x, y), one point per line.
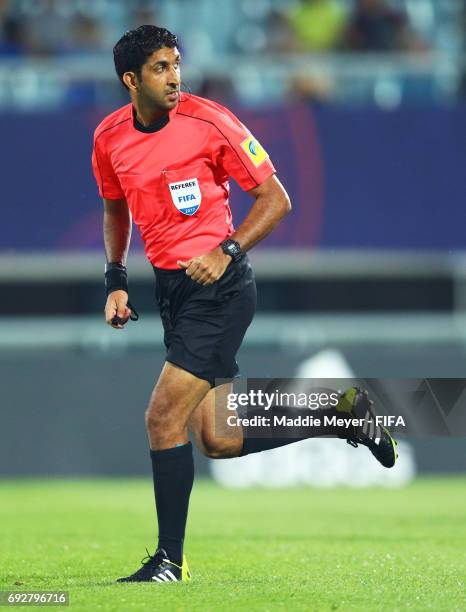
(215, 439)
(175, 396)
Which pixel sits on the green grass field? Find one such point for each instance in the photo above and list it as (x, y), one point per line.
(294, 549)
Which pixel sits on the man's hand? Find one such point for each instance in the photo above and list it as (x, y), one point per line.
(116, 306)
(208, 268)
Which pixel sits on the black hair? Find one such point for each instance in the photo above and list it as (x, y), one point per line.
(135, 46)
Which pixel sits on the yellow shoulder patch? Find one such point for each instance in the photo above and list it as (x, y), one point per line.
(254, 150)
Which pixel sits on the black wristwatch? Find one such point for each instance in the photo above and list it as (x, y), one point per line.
(233, 249)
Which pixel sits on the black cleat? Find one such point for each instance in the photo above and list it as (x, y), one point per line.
(356, 403)
(159, 568)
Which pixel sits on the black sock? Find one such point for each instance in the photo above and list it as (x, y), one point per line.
(173, 471)
(258, 439)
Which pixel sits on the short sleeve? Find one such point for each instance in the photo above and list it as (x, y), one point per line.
(238, 153)
(107, 181)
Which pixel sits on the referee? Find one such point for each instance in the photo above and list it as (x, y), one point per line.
(165, 160)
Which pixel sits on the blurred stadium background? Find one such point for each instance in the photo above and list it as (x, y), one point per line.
(361, 105)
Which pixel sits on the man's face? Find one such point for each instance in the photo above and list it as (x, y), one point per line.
(160, 78)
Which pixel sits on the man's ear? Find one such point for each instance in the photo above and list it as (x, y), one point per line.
(131, 81)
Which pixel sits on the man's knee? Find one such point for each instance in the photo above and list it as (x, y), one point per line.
(161, 422)
(156, 417)
(220, 448)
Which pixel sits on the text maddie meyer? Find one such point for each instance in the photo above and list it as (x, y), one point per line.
(307, 420)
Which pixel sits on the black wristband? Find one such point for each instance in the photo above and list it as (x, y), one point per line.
(116, 277)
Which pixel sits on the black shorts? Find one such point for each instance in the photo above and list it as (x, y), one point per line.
(205, 325)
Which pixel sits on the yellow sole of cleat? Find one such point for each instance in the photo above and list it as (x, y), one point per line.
(346, 401)
(394, 444)
(185, 573)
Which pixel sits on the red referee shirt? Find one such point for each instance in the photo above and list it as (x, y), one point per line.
(174, 175)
